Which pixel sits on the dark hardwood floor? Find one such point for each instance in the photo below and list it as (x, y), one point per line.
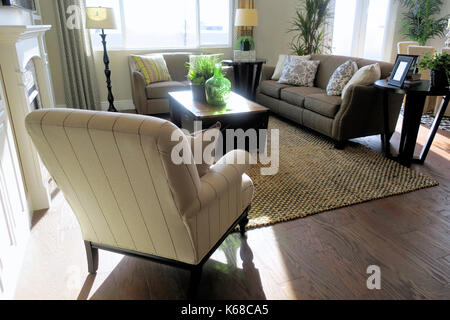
(323, 256)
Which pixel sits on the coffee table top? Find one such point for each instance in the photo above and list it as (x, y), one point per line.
(236, 105)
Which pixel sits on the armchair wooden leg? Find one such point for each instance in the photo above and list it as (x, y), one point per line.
(92, 257)
(194, 281)
(243, 224)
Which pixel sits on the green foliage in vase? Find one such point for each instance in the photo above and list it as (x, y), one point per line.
(241, 40)
(440, 62)
(308, 26)
(421, 22)
(218, 88)
(201, 69)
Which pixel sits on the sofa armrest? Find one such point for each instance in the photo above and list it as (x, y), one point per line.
(267, 72)
(139, 92)
(362, 113)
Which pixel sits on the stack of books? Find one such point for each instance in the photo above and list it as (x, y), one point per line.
(412, 80)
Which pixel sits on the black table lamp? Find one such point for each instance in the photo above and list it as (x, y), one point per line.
(103, 18)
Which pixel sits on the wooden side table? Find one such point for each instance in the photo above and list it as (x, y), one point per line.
(415, 101)
(246, 87)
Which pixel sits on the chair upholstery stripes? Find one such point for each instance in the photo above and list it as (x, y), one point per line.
(116, 172)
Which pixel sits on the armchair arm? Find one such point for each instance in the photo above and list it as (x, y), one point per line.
(223, 178)
(362, 113)
(139, 92)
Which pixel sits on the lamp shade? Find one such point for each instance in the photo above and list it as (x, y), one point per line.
(100, 18)
(246, 18)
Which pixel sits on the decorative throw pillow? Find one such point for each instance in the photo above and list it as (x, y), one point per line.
(153, 67)
(280, 65)
(363, 77)
(299, 72)
(199, 142)
(341, 77)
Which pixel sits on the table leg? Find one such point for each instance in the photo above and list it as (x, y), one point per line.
(434, 129)
(386, 135)
(257, 78)
(251, 77)
(237, 79)
(411, 124)
(175, 114)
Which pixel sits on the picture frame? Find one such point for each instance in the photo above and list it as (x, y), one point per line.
(404, 65)
(22, 4)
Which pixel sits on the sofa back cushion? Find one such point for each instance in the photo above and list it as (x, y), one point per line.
(329, 63)
(176, 63)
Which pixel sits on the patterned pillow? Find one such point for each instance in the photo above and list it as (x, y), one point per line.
(280, 65)
(299, 72)
(363, 77)
(341, 77)
(153, 67)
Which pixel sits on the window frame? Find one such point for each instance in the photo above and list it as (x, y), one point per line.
(98, 47)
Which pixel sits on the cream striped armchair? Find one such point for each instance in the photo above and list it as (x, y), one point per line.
(116, 172)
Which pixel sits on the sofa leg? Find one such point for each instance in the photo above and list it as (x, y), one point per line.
(339, 145)
(194, 281)
(92, 257)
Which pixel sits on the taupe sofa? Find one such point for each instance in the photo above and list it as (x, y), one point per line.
(360, 114)
(153, 99)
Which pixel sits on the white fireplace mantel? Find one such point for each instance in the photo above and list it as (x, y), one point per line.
(19, 44)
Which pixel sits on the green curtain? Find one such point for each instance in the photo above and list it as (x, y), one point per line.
(80, 81)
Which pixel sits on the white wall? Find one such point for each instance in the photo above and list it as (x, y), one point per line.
(271, 37)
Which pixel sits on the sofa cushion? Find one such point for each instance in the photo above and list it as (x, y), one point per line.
(272, 88)
(161, 90)
(296, 95)
(153, 67)
(176, 63)
(341, 77)
(323, 104)
(299, 72)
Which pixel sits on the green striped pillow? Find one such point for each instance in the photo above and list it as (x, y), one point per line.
(153, 67)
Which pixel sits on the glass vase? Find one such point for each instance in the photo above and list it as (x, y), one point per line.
(218, 88)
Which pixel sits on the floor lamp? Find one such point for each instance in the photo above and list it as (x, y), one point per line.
(103, 18)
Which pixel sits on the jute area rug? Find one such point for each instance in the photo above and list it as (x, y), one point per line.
(314, 177)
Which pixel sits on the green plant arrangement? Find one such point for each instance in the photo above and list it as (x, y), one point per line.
(218, 88)
(439, 66)
(241, 42)
(201, 69)
(308, 26)
(420, 22)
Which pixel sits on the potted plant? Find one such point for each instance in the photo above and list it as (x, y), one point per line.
(201, 69)
(439, 66)
(308, 26)
(420, 22)
(245, 43)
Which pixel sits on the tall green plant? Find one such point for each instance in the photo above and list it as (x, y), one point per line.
(308, 26)
(420, 22)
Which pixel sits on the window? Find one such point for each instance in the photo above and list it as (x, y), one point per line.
(167, 24)
(368, 21)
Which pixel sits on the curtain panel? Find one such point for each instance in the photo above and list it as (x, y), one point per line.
(80, 81)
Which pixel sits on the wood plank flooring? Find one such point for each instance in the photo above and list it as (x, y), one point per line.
(323, 256)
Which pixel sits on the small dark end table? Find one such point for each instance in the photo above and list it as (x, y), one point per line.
(415, 101)
(246, 87)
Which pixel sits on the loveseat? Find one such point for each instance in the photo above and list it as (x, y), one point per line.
(153, 99)
(359, 114)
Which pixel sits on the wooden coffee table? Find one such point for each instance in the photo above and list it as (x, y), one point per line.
(239, 113)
